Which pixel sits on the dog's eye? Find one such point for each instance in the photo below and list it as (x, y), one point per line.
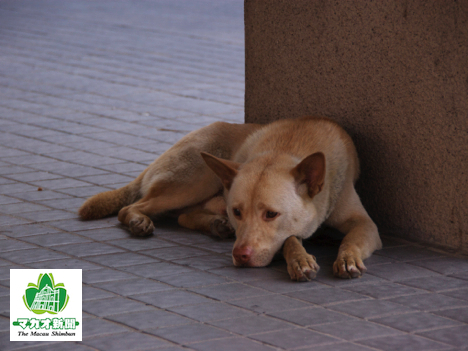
(236, 212)
(270, 214)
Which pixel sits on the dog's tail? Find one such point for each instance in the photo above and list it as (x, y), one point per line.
(110, 202)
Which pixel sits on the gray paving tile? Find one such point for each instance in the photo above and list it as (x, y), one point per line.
(176, 235)
(5, 200)
(370, 308)
(70, 204)
(455, 336)
(14, 170)
(90, 293)
(61, 183)
(206, 262)
(18, 345)
(35, 195)
(437, 284)
(429, 302)
(326, 296)
(408, 253)
(403, 343)
(231, 344)
(113, 305)
(175, 252)
(325, 276)
(47, 216)
(171, 298)
(124, 167)
(84, 191)
(133, 286)
(94, 326)
(13, 245)
(356, 330)
(460, 275)
(105, 179)
(12, 221)
(444, 265)
(4, 291)
(411, 322)
(190, 333)
(21, 207)
(5, 272)
(312, 316)
(252, 325)
(4, 180)
(4, 304)
(104, 275)
(269, 303)
(15, 188)
(229, 291)
(55, 239)
(88, 249)
(137, 244)
(399, 271)
(212, 311)
(385, 290)
(105, 234)
(68, 263)
(126, 341)
(26, 230)
(224, 246)
(147, 320)
(33, 176)
(458, 314)
(294, 338)
(121, 259)
(461, 294)
(54, 346)
(156, 270)
(250, 274)
(70, 170)
(344, 346)
(192, 279)
(31, 255)
(285, 286)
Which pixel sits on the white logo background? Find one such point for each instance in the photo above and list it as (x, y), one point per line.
(19, 280)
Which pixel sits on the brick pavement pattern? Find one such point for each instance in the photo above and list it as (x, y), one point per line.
(90, 93)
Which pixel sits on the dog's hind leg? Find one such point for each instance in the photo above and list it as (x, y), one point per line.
(165, 196)
(209, 222)
(211, 218)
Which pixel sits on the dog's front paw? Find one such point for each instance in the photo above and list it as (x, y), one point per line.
(348, 265)
(221, 227)
(303, 268)
(141, 226)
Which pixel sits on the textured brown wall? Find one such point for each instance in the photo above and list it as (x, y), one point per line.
(395, 75)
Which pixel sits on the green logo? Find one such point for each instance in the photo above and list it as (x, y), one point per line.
(46, 296)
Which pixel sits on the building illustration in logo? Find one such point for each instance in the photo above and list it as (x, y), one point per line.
(46, 296)
(47, 299)
(45, 305)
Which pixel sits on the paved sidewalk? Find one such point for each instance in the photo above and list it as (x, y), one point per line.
(90, 93)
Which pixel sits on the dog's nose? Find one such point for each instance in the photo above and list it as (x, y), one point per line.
(242, 254)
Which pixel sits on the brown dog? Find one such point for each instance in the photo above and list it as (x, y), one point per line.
(281, 182)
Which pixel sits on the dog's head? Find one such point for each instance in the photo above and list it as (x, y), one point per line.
(268, 199)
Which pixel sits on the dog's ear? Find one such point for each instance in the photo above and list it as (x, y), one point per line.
(226, 170)
(311, 171)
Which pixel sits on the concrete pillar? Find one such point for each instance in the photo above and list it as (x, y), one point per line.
(394, 74)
